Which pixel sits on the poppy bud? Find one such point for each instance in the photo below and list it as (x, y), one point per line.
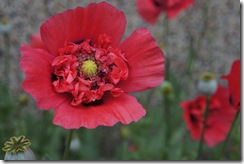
(207, 83)
(23, 99)
(166, 88)
(124, 132)
(18, 149)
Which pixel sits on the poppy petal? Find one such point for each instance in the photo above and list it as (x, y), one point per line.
(148, 11)
(234, 83)
(36, 41)
(217, 133)
(124, 108)
(83, 23)
(146, 61)
(174, 11)
(36, 63)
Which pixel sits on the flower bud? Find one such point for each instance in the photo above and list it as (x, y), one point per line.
(23, 99)
(124, 132)
(18, 149)
(166, 88)
(207, 83)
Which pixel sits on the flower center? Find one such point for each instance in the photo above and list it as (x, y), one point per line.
(86, 71)
(89, 67)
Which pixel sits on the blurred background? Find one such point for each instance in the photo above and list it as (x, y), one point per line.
(205, 37)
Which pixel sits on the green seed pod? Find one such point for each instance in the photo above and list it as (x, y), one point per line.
(207, 83)
(26, 155)
(18, 149)
(75, 144)
(5, 26)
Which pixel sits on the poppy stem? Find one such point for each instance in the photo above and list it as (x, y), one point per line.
(167, 127)
(67, 147)
(6, 57)
(204, 128)
(228, 136)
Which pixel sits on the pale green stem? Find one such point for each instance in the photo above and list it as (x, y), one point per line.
(204, 128)
(67, 147)
(167, 126)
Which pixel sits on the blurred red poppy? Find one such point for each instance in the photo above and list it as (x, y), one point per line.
(151, 9)
(85, 72)
(219, 119)
(234, 83)
(132, 148)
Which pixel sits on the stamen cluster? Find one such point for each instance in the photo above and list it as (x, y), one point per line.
(86, 70)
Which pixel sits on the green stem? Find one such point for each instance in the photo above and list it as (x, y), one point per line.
(167, 126)
(167, 61)
(204, 128)
(67, 147)
(6, 58)
(228, 136)
(166, 114)
(166, 27)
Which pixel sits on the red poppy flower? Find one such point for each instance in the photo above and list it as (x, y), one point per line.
(219, 119)
(85, 72)
(234, 83)
(151, 9)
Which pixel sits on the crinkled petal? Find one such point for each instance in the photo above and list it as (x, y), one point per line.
(36, 63)
(192, 126)
(145, 60)
(83, 23)
(124, 108)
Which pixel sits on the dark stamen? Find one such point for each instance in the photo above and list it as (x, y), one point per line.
(94, 103)
(79, 41)
(193, 118)
(53, 77)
